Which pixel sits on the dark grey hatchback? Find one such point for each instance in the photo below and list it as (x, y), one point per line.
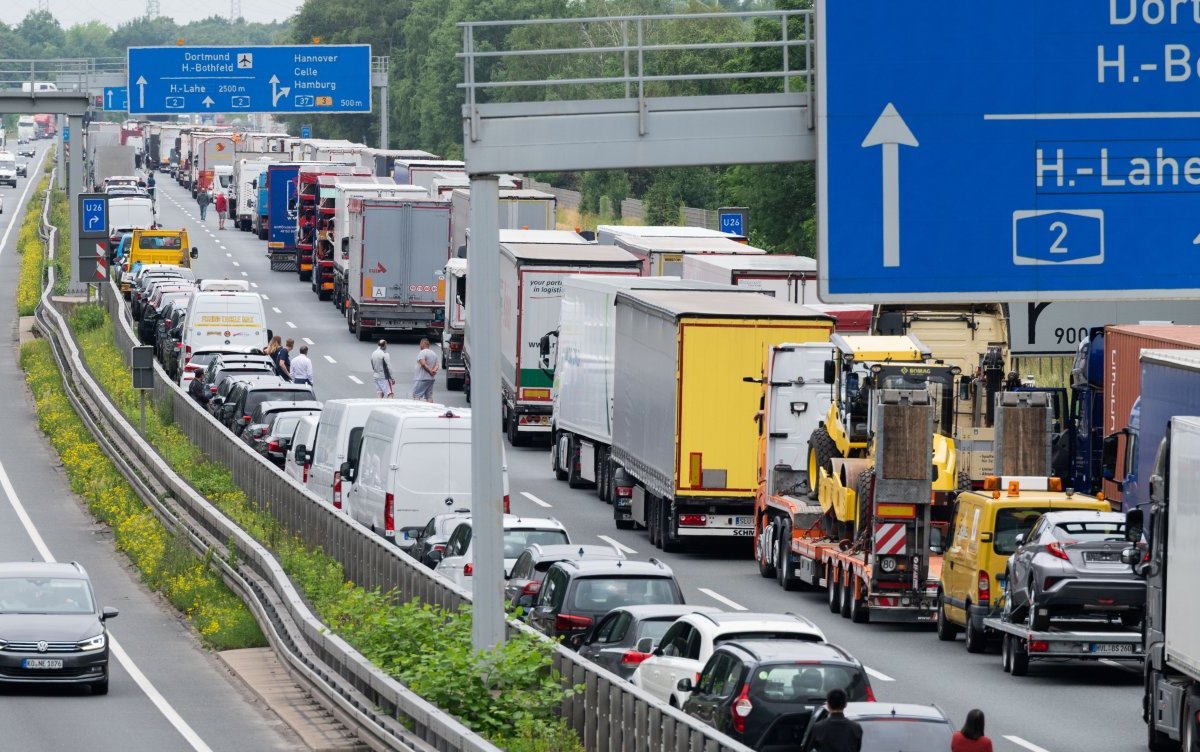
(51, 630)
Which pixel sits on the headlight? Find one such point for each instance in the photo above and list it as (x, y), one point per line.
(92, 643)
(3, 644)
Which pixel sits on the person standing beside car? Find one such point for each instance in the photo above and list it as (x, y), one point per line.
(381, 367)
(835, 732)
(202, 201)
(301, 367)
(222, 206)
(970, 738)
(425, 373)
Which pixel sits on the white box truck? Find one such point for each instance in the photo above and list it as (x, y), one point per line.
(531, 277)
(244, 201)
(664, 256)
(610, 233)
(398, 248)
(454, 325)
(519, 210)
(347, 187)
(790, 278)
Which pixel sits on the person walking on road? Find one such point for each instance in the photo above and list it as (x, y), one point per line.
(302, 370)
(203, 199)
(381, 366)
(279, 357)
(971, 738)
(150, 185)
(221, 204)
(836, 732)
(426, 371)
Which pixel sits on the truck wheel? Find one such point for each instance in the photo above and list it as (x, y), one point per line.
(847, 595)
(652, 520)
(574, 476)
(833, 583)
(821, 450)
(1188, 736)
(1006, 653)
(556, 453)
(860, 613)
(767, 551)
(786, 570)
(350, 318)
(947, 631)
(976, 637)
(1018, 656)
(361, 333)
(669, 533)
(514, 436)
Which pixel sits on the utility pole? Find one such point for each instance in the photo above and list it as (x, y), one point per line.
(235, 10)
(152, 9)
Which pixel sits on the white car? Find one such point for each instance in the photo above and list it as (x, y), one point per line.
(689, 643)
(458, 563)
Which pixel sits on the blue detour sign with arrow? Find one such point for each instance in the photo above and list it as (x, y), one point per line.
(1027, 150)
(315, 79)
(94, 216)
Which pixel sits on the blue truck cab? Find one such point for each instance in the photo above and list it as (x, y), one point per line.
(260, 221)
(1085, 427)
(281, 215)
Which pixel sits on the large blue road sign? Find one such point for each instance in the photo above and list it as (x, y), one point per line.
(1025, 150)
(313, 79)
(116, 99)
(95, 216)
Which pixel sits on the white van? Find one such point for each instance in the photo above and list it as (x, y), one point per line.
(224, 285)
(412, 465)
(224, 318)
(342, 422)
(295, 465)
(127, 213)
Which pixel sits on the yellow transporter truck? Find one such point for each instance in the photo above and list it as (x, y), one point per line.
(685, 417)
(168, 247)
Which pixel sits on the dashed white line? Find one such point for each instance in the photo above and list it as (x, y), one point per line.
(276, 309)
(722, 599)
(290, 324)
(264, 296)
(308, 341)
(235, 263)
(245, 274)
(230, 255)
(1027, 745)
(330, 359)
(535, 499)
(255, 286)
(616, 544)
(354, 378)
(879, 675)
(1122, 666)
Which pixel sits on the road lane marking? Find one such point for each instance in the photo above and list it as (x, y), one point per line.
(1121, 666)
(186, 731)
(616, 544)
(330, 359)
(877, 674)
(290, 324)
(276, 309)
(722, 599)
(535, 499)
(1027, 745)
(264, 295)
(230, 255)
(245, 274)
(308, 341)
(236, 263)
(254, 285)
(354, 378)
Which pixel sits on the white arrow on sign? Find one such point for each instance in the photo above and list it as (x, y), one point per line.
(890, 132)
(141, 84)
(278, 92)
(207, 102)
(109, 106)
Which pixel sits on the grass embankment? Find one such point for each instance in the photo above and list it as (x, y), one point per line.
(33, 260)
(510, 696)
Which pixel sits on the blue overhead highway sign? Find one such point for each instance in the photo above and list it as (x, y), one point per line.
(116, 99)
(733, 220)
(306, 131)
(1026, 150)
(314, 79)
(95, 215)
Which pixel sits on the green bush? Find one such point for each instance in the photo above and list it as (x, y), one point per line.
(86, 318)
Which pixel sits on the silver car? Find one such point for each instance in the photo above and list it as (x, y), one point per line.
(1069, 564)
(628, 635)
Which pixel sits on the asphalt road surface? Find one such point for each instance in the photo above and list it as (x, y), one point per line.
(1057, 708)
(166, 692)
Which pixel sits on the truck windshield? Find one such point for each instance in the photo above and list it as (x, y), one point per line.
(8, 164)
(1010, 523)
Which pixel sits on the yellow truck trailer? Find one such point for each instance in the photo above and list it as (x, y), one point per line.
(685, 418)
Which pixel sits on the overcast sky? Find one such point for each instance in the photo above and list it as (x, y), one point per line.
(116, 12)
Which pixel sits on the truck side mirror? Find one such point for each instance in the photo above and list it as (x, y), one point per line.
(301, 450)
(1108, 457)
(195, 252)
(1134, 526)
(964, 388)
(348, 471)
(830, 371)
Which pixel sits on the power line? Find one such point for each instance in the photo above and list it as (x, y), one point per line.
(152, 9)
(235, 10)
(44, 5)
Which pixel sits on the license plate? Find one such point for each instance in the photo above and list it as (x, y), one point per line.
(1099, 556)
(745, 521)
(1112, 648)
(42, 663)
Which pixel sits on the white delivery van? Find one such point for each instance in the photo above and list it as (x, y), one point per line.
(129, 213)
(341, 426)
(224, 318)
(412, 464)
(224, 285)
(296, 463)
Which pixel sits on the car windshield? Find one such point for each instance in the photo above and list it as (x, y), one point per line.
(904, 735)
(45, 595)
(603, 594)
(285, 425)
(1011, 522)
(255, 399)
(807, 683)
(1091, 531)
(515, 541)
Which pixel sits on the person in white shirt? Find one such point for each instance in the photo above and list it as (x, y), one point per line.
(381, 367)
(302, 370)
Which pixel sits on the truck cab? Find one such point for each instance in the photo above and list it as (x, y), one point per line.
(160, 247)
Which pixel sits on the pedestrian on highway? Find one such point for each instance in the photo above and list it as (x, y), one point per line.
(971, 738)
(381, 366)
(283, 360)
(426, 371)
(150, 186)
(222, 206)
(302, 370)
(279, 357)
(835, 732)
(203, 199)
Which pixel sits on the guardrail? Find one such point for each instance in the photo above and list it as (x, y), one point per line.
(64, 74)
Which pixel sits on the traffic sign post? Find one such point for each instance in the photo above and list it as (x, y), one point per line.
(306, 131)
(734, 220)
(92, 238)
(316, 79)
(115, 99)
(1032, 151)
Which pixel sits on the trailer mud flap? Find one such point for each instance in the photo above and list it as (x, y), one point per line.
(283, 263)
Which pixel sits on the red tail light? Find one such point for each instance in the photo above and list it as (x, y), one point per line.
(870, 693)
(741, 709)
(212, 389)
(634, 657)
(531, 588)
(693, 520)
(1039, 646)
(1056, 549)
(337, 489)
(245, 418)
(304, 477)
(272, 446)
(188, 354)
(507, 505)
(455, 346)
(624, 492)
(469, 570)
(567, 623)
(389, 519)
(985, 588)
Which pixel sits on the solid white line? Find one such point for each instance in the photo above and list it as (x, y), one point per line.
(722, 599)
(275, 309)
(1027, 745)
(308, 341)
(290, 324)
(1093, 116)
(616, 544)
(354, 378)
(160, 702)
(15, 220)
(330, 359)
(535, 499)
(877, 674)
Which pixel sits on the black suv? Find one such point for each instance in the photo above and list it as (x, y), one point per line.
(534, 563)
(51, 630)
(245, 398)
(750, 685)
(577, 593)
(218, 403)
(206, 385)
